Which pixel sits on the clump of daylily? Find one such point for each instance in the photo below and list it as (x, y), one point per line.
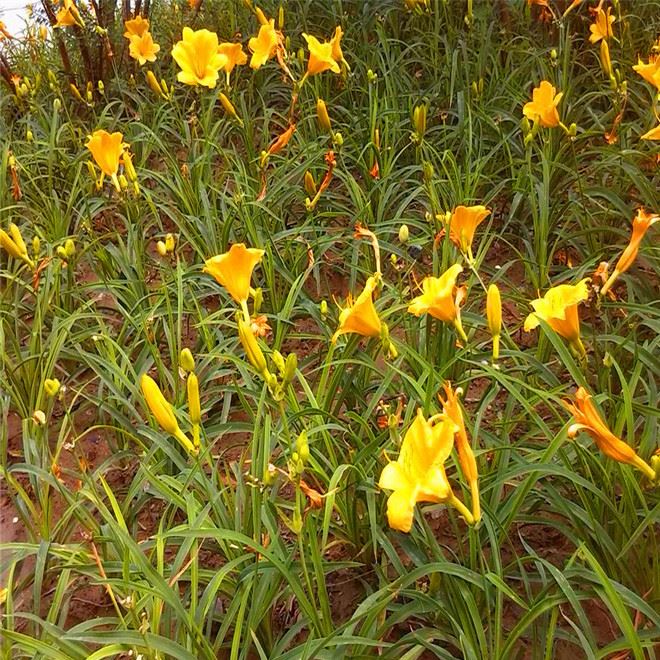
(442, 299)
(418, 474)
(640, 225)
(233, 270)
(588, 419)
(559, 309)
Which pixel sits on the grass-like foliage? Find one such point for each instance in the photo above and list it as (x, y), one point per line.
(331, 331)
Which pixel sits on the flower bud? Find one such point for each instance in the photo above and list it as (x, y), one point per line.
(280, 18)
(228, 105)
(169, 243)
(322, 115)
(278, 361)
(258, 299)
(186, 360)
(419, 119)
(57, 105)
(428, 171)
(194, 406)
(52, 387)
(39, 417)
(404, 234)
(252, 349)
(338, 139)
(36, 246)
(261, 17)
(494, 317)
(290, 368)
(69, 247)
(101, 87)
(162, 250)
(29, 136)
(323, 308)
(310, 184)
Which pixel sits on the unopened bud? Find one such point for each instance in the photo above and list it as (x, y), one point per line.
(69, 247)
(322, 115)
(169, 243)
(290, 368)
(162, 250)
(310, 184)
(404, 234)
(186, 360)
(52, 386)
(323, 308)
(258, 299)
(278, 361)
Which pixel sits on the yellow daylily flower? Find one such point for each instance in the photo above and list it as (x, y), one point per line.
(198, 58)
(452, 409)
(360, 316)
(163, 412)
(136, 27)
(418, 474)
(588, 419)
(107, 150)
(653, 134)
(543, 106)
(463, 223)
(233, 270)
(441, 299)
(143, 49)
(559, 309)
(641, 223)
(337, 52)
(650, 71)
(264, 45)
(67, 15)
(235, 56)
(320, 56)
(601, 28)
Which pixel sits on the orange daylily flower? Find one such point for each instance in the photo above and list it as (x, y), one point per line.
(360, 317)
(653, 134)
(107, 150)
(198, 57)
(320, 56)
(543, 106)
(601, 28)
(136, 27)
(143, 49)
(466, 458)
(588, 419)
(233, 270)
(235, 56)
(462, 225)
(337, 52)
(559, 309)
(650, 71)
(418, 475)
(641, 223)
(441, 299)
(264, 45)
(281, 141)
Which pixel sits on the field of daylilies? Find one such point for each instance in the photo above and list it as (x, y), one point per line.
(330, 329)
